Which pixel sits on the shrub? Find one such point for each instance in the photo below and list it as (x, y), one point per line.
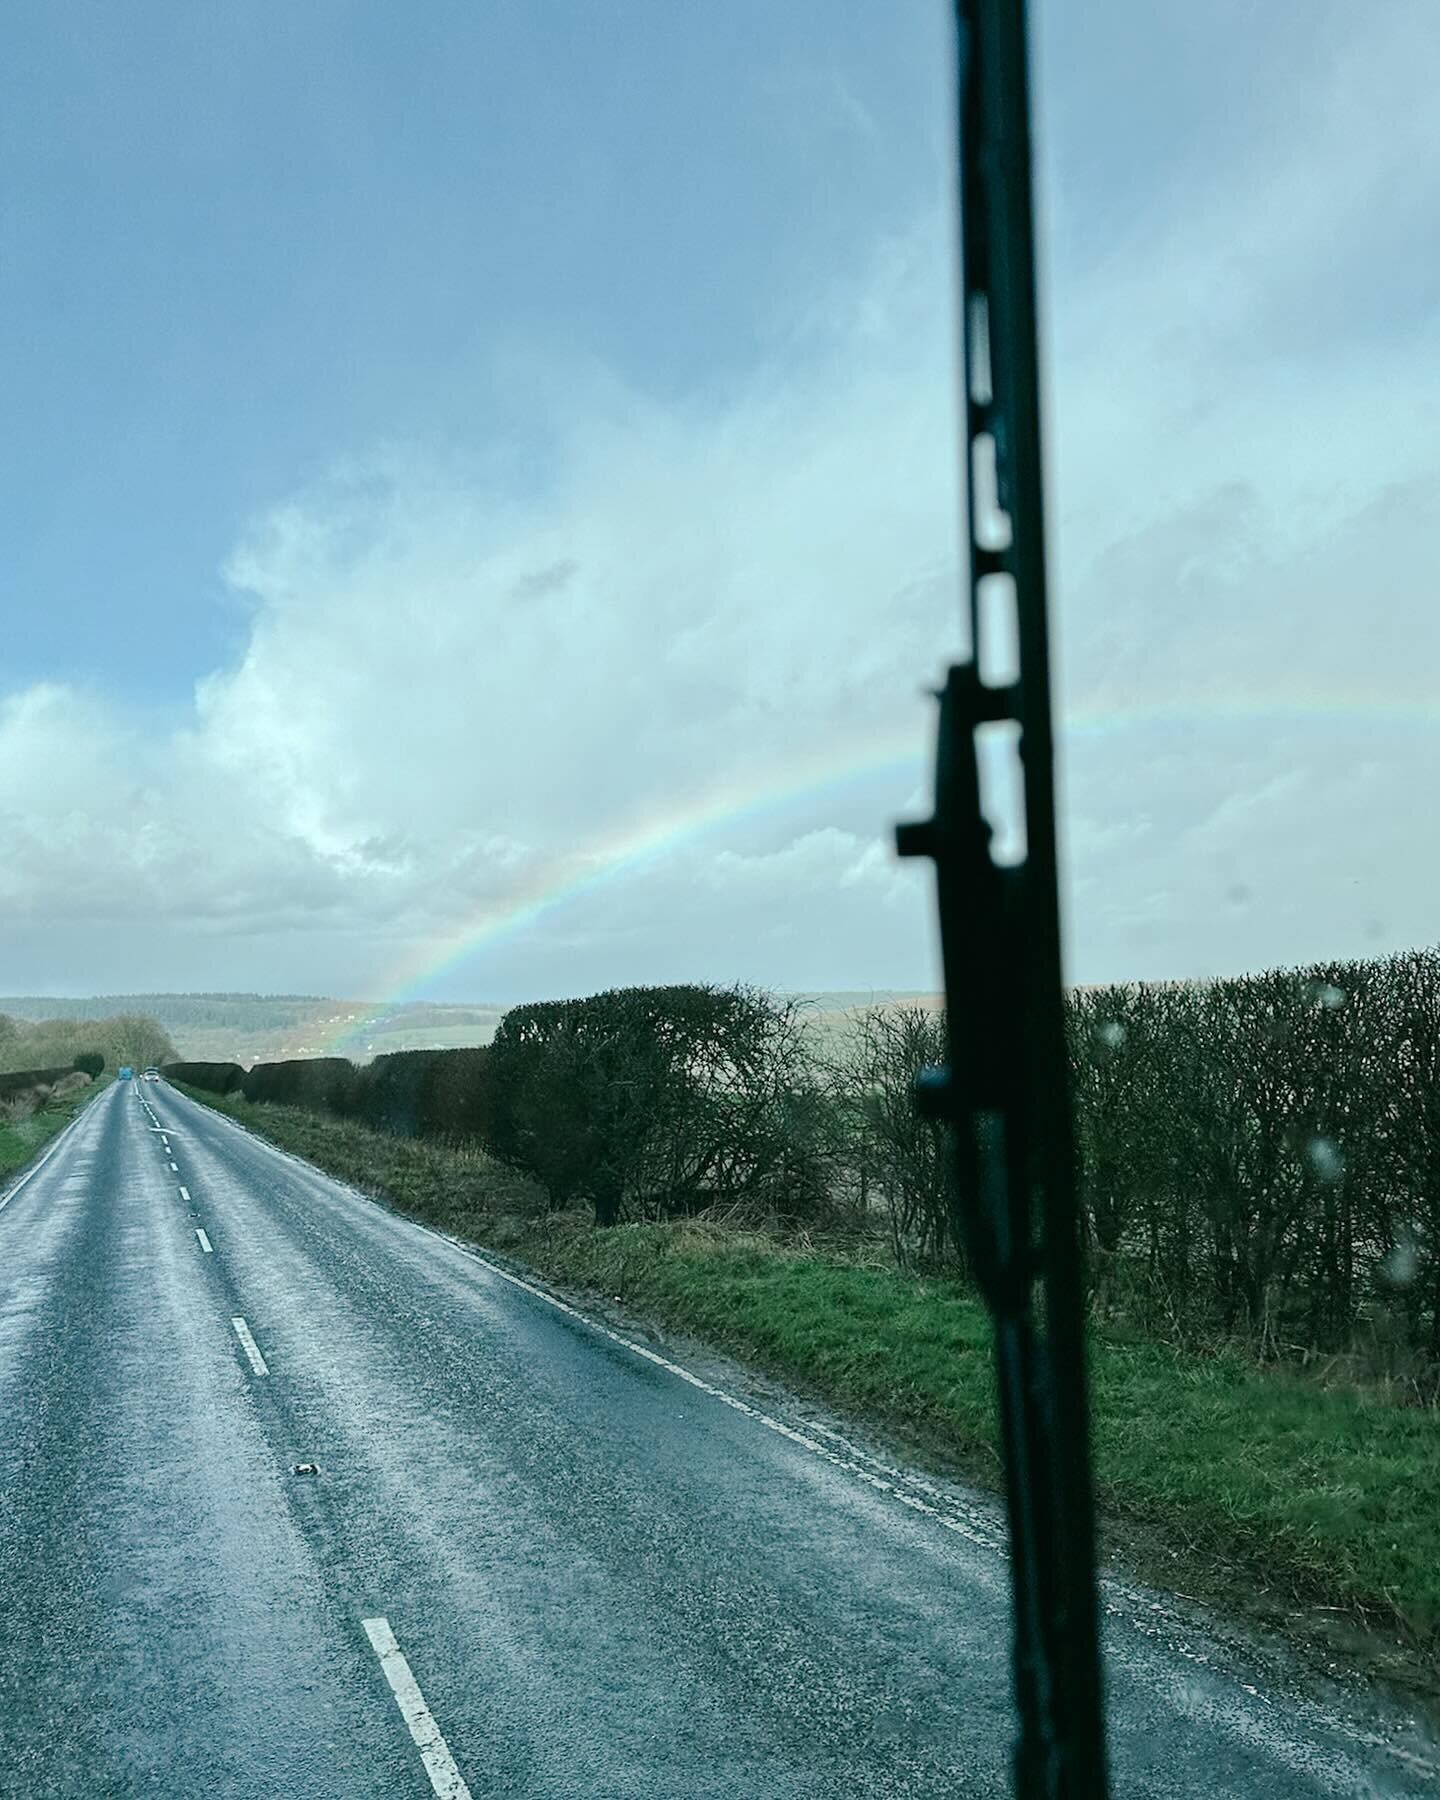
(652, 1102)
(91, 1063)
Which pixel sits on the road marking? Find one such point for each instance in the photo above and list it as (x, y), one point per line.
(209, 1250)
(445, 1778)
(993, 1538)
(252, 1349)
(901, 1488)
(175, 1168)
(184, 1192)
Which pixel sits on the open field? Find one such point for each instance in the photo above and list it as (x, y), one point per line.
(251, 1028)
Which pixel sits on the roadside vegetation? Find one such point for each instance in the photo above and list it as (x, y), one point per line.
(1259, 1161)
(49, 1068)
(25, 1131)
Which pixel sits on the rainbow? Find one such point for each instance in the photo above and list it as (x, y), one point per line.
(640, 845)
(902, 756)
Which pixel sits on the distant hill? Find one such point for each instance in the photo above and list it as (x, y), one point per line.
(251, 1028)
(832, 1014)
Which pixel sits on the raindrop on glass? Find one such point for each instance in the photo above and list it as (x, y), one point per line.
(1402, 1262)
(1325, 1158)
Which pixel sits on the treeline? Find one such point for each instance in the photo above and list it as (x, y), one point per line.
(1258, 1157)
(179, 1012)
(38, 1045)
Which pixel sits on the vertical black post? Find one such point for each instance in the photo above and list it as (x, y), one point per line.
(1005, 1092)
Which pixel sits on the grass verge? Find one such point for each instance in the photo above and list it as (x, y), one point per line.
(1313, 1509)
(21, 1139)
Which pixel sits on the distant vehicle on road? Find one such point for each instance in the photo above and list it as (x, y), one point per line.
(151, 1075)
(124, 1072)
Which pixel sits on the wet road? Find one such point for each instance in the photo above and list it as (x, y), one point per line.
(535, 1560)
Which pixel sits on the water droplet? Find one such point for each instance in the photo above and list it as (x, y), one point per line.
(1402, 1263)
(1326, 994)
(1111, 1034)
(1325, 1158)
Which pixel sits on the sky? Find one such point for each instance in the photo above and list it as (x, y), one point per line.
(478, 490)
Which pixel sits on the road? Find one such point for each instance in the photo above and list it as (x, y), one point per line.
(539, 1557)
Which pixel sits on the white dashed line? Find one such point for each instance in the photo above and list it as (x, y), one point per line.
(901, 1489)
(209, 1250)
(174, 1168)
(252, 1349)
(184, 1192)
(445, 1778)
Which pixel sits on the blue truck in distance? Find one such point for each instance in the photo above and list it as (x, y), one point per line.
(124, 1072)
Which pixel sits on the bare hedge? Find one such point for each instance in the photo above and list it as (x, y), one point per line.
(214, 1077)
(1257, 1157)
(316, 1083)
(1263, 1154)
(19, 1081)
(423, 1093)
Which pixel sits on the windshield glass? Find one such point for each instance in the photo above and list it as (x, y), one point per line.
(488, 499)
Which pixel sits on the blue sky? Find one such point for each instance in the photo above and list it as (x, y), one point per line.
(441, 440)
(241, 240)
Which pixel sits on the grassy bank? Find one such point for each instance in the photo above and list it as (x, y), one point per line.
(20, 1139)
(1315, 1508)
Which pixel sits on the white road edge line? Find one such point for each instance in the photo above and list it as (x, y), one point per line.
(60, 1138)
(252, 1349)
(184, 1192)
(895, 1489)
(208, 1248)
(900, 1489)
(445, 1778)
(983, 1539)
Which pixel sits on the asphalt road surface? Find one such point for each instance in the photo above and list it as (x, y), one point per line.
(538, 1557)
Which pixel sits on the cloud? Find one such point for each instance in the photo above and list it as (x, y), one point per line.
(445, 691)
(460, 669)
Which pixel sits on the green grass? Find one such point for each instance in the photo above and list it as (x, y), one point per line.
(1307, 1505)
(24, 1138)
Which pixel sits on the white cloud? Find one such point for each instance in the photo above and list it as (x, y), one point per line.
(444, 692)
(448, 689)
